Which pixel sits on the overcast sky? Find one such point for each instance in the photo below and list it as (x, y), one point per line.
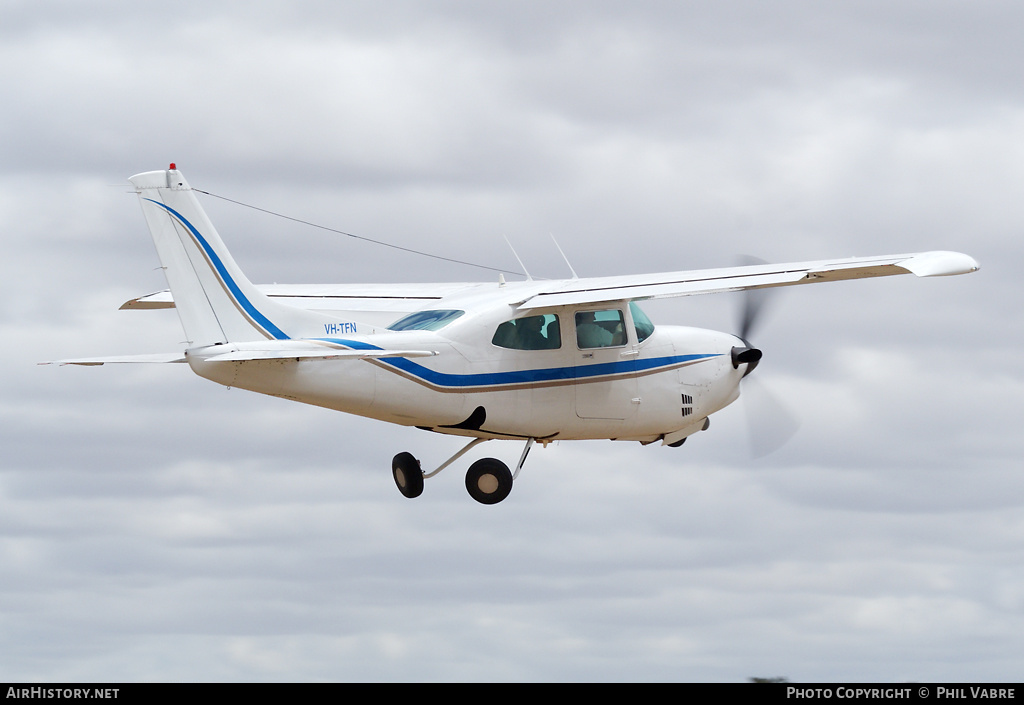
(155, 526)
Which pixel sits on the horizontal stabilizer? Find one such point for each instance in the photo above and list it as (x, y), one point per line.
(119, 359)
(297, 350)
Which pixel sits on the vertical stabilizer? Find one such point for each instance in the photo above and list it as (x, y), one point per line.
(215, 301)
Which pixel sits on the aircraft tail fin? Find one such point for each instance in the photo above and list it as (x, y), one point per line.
(214, 299)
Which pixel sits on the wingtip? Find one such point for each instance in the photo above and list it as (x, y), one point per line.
(940, 264)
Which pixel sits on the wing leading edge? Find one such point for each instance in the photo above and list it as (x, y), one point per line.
(710, 281)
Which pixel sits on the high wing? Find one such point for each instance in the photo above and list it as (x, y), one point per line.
(341, 296)
(384, 303)
(709, 281)
(378, 304)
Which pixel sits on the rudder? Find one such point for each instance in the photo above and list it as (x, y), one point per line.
(215, 301)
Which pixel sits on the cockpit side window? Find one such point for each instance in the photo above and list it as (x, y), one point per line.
(529, 333)
(641, 323)
(600, 329)
(426, 320)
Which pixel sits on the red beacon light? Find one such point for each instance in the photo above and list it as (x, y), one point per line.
(172, 167)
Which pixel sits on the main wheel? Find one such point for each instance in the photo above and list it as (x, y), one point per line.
(488, 481)
(408, 476)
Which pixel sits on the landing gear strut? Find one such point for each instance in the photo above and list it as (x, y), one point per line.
(488, 480)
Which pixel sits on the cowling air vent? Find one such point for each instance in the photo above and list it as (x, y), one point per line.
(687, 404)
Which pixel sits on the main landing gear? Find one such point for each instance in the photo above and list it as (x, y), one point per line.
(488, 480)
(408, 476)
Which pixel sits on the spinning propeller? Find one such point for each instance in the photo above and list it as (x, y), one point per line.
(771, 424)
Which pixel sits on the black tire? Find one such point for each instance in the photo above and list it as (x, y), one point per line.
(408, 475)
(488, 481)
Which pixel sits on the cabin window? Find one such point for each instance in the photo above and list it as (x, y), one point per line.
(600, 329)
(641, 323)
(529, 333)
(426, 320)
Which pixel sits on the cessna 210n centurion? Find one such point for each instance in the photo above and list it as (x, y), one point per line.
(534, 361)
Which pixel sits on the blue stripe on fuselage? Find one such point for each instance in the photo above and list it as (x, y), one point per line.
(517, 377)
(240, 298)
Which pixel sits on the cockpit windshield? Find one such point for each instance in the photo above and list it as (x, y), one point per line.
(641, 323)
(426, 320)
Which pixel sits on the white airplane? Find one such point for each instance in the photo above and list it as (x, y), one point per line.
(535, 361)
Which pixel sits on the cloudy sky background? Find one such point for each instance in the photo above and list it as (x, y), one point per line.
(154, 526)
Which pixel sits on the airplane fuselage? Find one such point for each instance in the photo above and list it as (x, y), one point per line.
(664, 386)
